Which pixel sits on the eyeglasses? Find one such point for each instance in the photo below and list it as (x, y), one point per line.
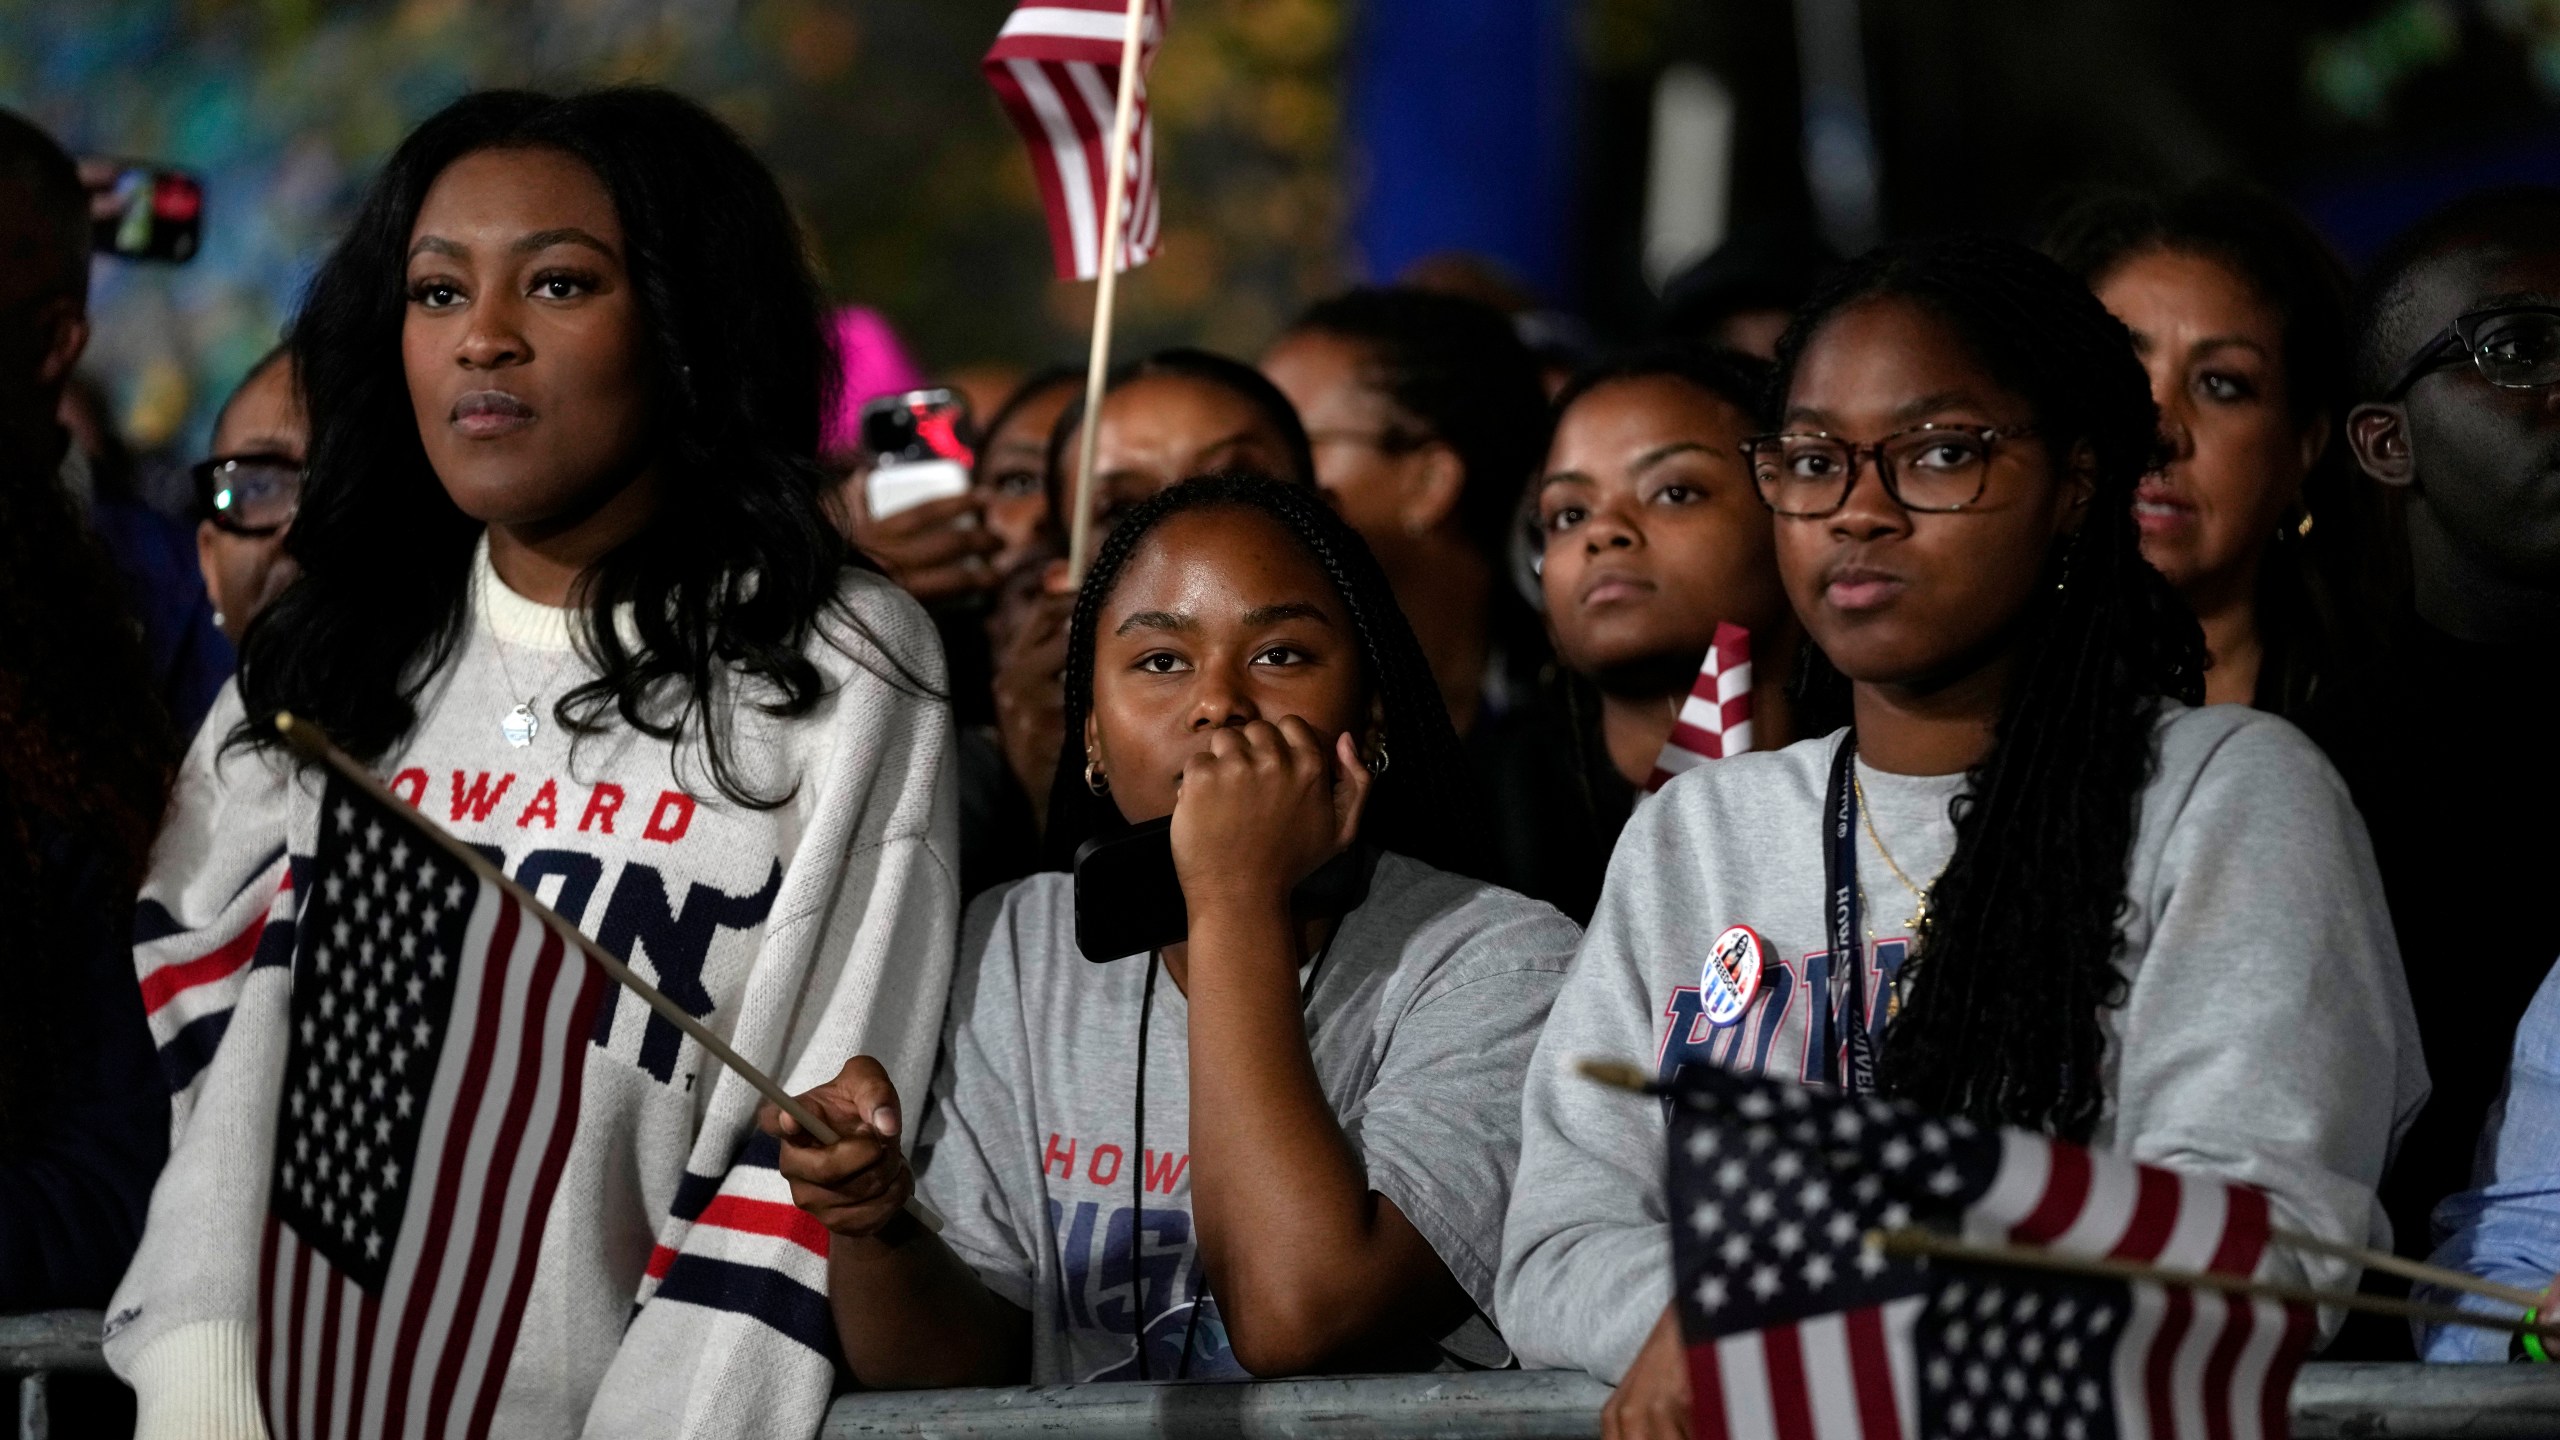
(251, 495)
(2514, 347)
(1930, 468)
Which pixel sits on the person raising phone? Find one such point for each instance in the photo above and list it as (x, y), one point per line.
(2054, 895)
(1309, 1123)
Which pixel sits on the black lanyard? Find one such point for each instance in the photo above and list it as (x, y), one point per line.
(1848, 943)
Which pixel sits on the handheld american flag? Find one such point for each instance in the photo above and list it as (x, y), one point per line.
(1715, 721)
(431, 1086)
(1796, 1328)
(1055, 68)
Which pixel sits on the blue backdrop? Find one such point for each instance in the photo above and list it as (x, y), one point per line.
(1463, 135)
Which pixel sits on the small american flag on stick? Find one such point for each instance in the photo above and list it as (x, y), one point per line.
(431, 1086)
(1715, 721)
(1055, 68)
(1797, 1328)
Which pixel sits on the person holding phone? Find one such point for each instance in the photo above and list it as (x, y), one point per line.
(1278, 1145)
(2031, 883)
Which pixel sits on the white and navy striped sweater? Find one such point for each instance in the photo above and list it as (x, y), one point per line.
(678, 1290)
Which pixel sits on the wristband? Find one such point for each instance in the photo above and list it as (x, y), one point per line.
(2531, 1341)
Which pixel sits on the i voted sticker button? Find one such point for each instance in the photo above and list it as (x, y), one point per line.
(1731, 975)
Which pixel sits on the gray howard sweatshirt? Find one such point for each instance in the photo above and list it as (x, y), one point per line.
(2266, 1036)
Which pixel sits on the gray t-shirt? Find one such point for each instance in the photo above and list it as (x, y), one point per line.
(2265, 1035)
(1422, 1016)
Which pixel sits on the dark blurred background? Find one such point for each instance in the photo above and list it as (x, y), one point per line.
(1581, 151)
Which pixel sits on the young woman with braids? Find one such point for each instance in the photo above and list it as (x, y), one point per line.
(2088, 908)
(1311, 1123)
(568, 587)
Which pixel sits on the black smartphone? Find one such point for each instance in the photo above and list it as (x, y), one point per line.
(140, 211)
(1129, 897)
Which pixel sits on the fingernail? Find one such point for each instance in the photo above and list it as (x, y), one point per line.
(885, 1120)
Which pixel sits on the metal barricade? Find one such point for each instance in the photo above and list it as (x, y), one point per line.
(2330, 1402)
(37, 1347)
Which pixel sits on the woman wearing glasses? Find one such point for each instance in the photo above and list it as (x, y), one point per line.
(2239, 312)
(247, 492)
(2061, 898)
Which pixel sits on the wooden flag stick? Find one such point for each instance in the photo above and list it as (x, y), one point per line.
(1618, 1074)
(1106, 294)
(306, 737)
(2406, 1269)
(1912, 1241)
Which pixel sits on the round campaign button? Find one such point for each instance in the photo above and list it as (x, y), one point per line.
(1731, 975)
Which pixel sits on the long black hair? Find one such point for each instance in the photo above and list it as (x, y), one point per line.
(1182, 362)
(88, 754)
(1419, 807)
(2314, 591)
(2018, 953)
(732, 573)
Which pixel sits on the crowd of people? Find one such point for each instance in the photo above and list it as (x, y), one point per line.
(2140, 626)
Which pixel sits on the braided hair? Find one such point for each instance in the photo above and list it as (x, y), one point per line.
(2018, 953)
(1418, 807)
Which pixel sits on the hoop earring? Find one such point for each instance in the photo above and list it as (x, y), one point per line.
(1094, 779)
(1378, 763)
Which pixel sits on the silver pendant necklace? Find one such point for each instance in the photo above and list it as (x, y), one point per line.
(520, 724)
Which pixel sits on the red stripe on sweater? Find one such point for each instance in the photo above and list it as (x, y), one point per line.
(169, 981)
(768, 1217)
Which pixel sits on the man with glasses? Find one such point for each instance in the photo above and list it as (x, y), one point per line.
(2458, 358)
(248, 490)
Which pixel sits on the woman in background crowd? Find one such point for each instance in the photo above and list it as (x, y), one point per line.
(247, 492)
(2239, 312)
(1165, 417)
(1649, 536)
(569, 585)
(2063, 875)
(1311, 1121)
(1427, 415)
(999, 831)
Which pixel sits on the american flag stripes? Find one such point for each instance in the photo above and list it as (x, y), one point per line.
(431, 1088)
(1797, 1330)
(1055, 68)
(1715, 721)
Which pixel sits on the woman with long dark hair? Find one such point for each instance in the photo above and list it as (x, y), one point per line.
(1306, 1110)
(2239, 313)
(567, 585)
(2072, 902)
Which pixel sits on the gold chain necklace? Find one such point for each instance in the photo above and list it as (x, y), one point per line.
(1866, 817)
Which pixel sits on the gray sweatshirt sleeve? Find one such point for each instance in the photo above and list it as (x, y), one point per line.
(1586, 1250)
(2267, 1036)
